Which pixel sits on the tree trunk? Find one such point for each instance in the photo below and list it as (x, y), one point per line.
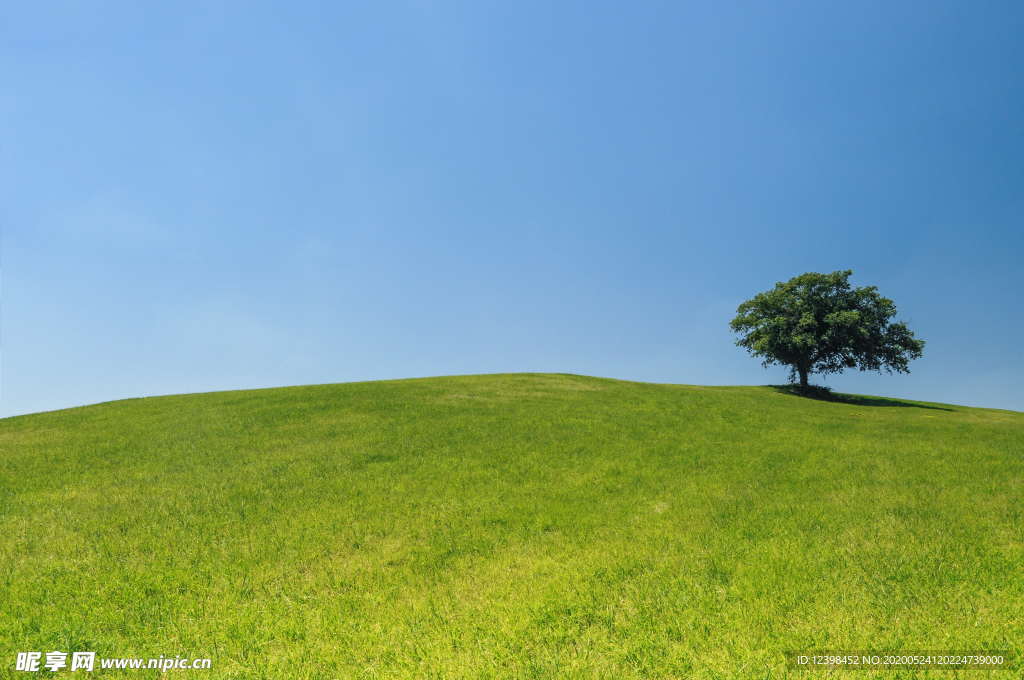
(803, 376)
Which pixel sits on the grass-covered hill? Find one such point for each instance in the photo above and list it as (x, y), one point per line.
(509, 526)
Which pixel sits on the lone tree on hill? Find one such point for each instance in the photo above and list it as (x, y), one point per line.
(817, 323)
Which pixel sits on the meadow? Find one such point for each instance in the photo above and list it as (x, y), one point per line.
(510, 526)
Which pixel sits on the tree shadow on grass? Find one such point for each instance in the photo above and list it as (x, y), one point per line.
(825, 394)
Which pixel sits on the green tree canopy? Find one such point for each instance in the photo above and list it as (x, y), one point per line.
(818, 323)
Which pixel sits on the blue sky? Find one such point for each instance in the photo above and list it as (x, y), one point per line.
(208, 196)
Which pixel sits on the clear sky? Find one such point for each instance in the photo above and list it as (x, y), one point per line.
(203, 196)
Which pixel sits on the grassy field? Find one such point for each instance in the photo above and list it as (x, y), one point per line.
(509, 526)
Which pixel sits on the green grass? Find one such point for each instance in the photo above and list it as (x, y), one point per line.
(509, 526)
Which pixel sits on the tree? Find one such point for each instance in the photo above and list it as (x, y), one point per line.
(817, 323)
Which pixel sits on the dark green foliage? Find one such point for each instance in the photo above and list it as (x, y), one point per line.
(818, 323)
